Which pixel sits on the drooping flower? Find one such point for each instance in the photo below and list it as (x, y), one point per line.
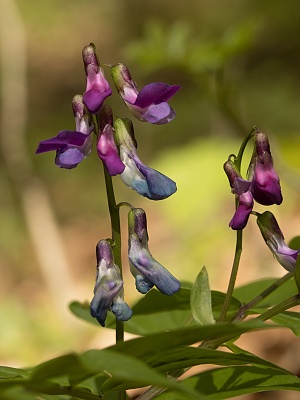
(108, 291)
(265, 185)
(151, 103)
(71, 146)
(274, 239)
(146, 270)
(241, 188)
(106, 146)
(146, 181)
(97, 87)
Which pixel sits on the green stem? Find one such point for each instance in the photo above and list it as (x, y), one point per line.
(234, 271)
(114, 212)
(239, 157)
(240, 315)
(284, 305)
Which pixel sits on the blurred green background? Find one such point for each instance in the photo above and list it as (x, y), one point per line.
(238, 64)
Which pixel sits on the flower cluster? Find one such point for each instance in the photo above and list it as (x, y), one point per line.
(262, 184)
(116, 147)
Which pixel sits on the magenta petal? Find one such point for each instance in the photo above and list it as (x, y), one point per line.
(108, 152)
(155, 93)
(94, 98)
(63, 138)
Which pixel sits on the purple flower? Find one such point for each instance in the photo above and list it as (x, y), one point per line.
(241, 189)
(108, 291)
(274, 239)
(150, 104)
(71, 146)
(97, 87)
(265, 182)
(106, 146)
(146, 270)
(146, 181)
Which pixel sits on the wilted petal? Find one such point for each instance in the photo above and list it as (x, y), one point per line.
(121, 310)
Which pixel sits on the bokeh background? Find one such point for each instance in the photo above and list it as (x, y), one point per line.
(238, 63)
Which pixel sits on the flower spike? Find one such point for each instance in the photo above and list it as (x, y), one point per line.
(146, 181)
(71, 146)
(151, 103)
(147, 271)
(97, 87)
(108, 291)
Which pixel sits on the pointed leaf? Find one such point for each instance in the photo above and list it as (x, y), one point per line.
(201, 300)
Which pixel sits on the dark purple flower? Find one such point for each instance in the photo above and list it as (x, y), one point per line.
(97, 87)
(146, 181)
(151, 103)
(71, 146)
(108, 291)
(274, 239)
(241, 189)
(146, 270)
(106, 146)
(265, 182)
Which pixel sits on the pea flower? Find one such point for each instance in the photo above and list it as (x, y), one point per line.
(265, 185)
(274, 239)
(108, 291)
(151, 103)
(97, 87)
(71, 146)
(106, 146)
(146, 270)
(241, 188)
(146, 181)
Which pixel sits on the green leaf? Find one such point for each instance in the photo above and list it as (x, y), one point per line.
(201, 300)
(8, 373)
(68, 365)
(184, 357)
(229, 382)
(143, 347)
(129, 370)
(290, 320)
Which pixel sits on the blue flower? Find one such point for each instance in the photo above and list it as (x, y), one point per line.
(71, 146)
(146, 270)
(108, 291)
(144, 180)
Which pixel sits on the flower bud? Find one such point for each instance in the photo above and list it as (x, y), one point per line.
(265, 182)
(97, 87)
